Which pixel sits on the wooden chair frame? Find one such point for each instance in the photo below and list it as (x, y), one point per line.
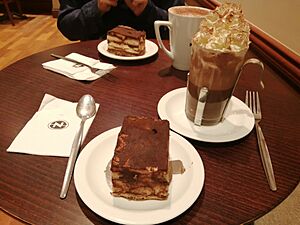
(9, 12)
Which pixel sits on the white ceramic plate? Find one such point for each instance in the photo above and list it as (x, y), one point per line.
(238, 122)
(94, 187)
(151, 49)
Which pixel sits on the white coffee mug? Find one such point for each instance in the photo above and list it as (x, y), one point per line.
(183, 23)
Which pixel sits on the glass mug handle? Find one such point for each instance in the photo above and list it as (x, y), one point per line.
(249, 61)
(157, 25)
(259, 63)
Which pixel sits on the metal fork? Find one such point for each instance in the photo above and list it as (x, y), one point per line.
(252, 100)
(93, 69)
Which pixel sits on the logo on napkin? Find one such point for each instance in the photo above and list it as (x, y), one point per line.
(58, 124)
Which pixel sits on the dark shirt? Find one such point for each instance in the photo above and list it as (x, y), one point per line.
(82, 20)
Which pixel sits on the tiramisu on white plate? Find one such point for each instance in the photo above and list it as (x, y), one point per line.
(140, 166)
(126, 41)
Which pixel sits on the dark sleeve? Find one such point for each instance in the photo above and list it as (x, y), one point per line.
(157, 10)
(79, 19)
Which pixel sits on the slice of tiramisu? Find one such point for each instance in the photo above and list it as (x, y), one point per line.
(140, 166)
(126, 41)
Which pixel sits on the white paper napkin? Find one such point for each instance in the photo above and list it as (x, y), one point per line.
(78, 72)
(51, 130)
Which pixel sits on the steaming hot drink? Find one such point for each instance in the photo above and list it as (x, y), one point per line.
(183, 23)
(218, 51)
(189, 11)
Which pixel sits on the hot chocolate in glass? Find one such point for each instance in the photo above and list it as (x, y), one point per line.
(218, 52)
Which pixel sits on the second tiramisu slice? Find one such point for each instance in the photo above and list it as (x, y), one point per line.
(126, 41)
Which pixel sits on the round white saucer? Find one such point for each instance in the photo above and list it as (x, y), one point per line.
(238, 119)
(92, 183)
(151, 49)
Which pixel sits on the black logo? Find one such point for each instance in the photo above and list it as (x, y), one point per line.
(58, 124)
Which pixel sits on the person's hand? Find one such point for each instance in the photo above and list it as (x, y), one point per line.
(137, 6)
(105, 5)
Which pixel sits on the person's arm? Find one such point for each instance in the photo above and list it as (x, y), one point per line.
(156, 10)
(153, 10)
(80, 19)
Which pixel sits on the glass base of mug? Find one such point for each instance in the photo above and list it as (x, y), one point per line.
(210, 122)
(204, 122)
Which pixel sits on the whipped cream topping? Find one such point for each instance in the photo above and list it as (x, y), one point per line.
(224, 29)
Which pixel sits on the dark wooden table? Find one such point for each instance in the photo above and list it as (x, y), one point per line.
(235, 188)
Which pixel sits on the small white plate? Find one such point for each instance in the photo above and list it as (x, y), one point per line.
(94, 188)
(238, 122)
(151, 49)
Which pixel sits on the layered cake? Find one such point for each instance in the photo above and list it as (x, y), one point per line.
(140, 166)
(126, 41)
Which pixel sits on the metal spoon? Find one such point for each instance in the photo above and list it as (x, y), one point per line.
(86, 108)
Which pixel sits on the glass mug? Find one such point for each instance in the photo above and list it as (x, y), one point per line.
(211, 82)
